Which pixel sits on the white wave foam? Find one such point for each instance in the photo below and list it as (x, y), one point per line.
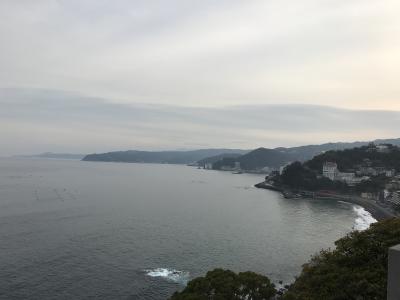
(364, 219)
(344, 202)
(169, 274)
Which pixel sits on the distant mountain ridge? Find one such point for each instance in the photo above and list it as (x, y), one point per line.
(274, 158)
(53, 155)
(303, 153)
(169, 157)
(263, 157)
(249, 160)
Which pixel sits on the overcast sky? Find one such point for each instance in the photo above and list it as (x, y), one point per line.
(94, 75)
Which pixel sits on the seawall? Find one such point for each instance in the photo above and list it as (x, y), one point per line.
(377, 211)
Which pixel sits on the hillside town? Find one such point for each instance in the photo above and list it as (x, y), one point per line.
(390, 194)
(367, 175)
(366, 172)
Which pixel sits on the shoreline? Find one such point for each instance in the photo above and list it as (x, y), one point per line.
(378, 212)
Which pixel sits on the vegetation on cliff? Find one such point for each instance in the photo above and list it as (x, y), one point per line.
(222, 284)
(308, 175)
(355, 269)
(298, 176)
(350, 158)
(274, 158)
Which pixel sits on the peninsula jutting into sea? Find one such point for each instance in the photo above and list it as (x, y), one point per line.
(367, 175)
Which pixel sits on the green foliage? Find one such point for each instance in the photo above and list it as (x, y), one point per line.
(222, 284)
(307, 176)
(356, 269)
(347, 159)
(373, 185)
(298, 176)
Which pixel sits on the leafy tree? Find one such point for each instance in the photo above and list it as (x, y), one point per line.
(349, 158)
(307, 176)
(356, 269)
(222, 284)
(372, 185)
(299, 176)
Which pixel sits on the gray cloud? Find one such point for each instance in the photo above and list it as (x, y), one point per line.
(206, 53)
(36, 120)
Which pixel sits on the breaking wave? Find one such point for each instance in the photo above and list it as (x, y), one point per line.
(364, 219)
(177, 276)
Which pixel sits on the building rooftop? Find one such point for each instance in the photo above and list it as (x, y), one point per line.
(330, 164)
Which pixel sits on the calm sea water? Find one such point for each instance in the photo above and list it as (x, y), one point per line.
(84, 230)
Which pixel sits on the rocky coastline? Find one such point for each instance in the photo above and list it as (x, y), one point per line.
(376, 210)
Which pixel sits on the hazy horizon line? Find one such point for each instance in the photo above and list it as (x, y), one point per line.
(38, 120)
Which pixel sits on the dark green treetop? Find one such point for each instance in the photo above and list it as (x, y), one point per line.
(222, 284)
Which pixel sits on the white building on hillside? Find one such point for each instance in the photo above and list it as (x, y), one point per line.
(350, 178)
(330, 170)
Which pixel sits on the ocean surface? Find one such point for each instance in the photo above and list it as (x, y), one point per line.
(91, 230)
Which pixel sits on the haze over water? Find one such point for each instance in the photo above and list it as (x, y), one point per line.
(79, 230)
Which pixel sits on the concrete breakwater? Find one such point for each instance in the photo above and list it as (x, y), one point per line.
(264, 185)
